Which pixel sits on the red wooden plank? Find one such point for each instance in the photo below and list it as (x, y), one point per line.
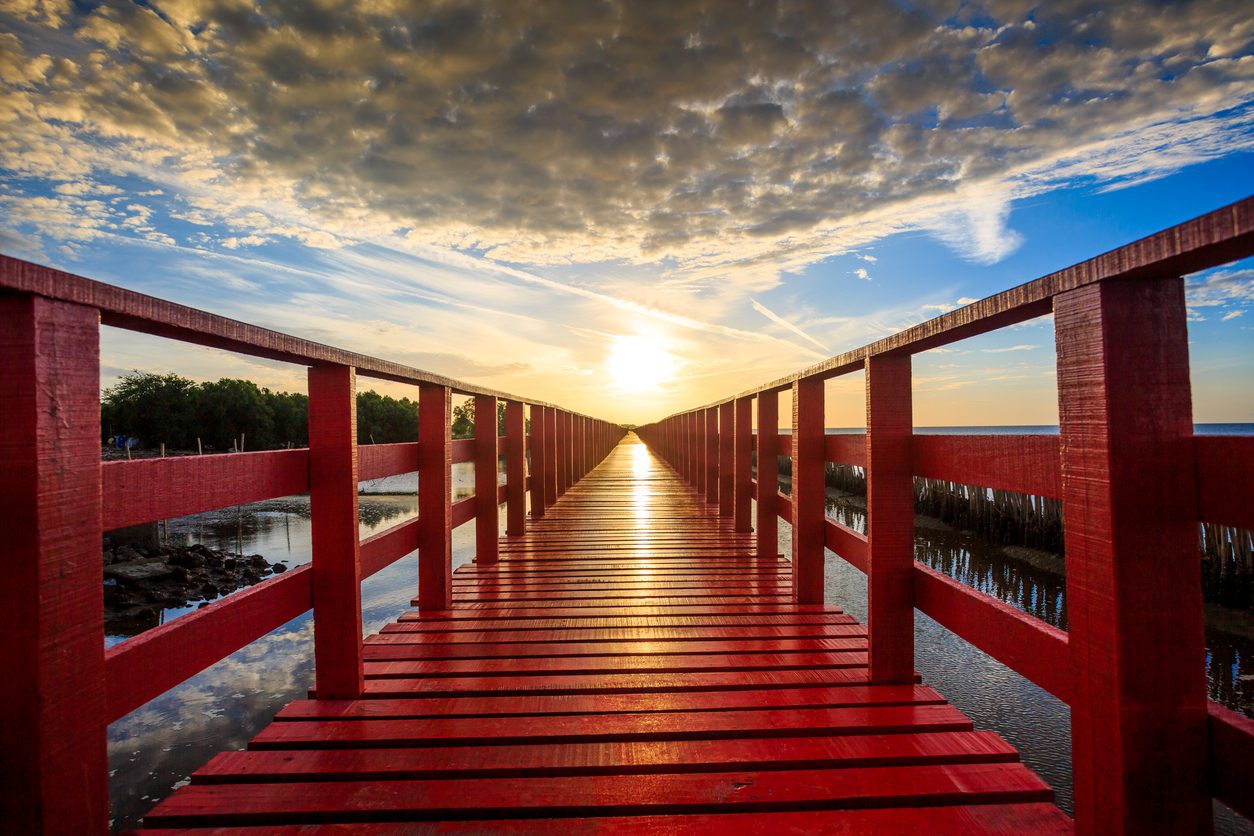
(392, 651)
(846, 542)
(155, 489)
(462, 450)
(1006, 819)
(1222, 462)
(486, 509)
(846, 449)
(156, 660)
(1134, 599)
(607, 758)
(606, 704)
(890, 518)
(809, 494)
(767, 523)
(1231, 753)
(563, 451)
(587, 728)
(461, 512)
(375, 461)
(1022, 643)
(435, 554)
(336, 553)
(616, 683)
(382, 549)
(515, 470)
(1022, 463)
(52, 738)
(599, 794)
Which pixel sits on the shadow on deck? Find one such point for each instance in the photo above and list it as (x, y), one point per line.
(629, 664)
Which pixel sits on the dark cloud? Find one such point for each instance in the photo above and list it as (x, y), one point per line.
(602, 129)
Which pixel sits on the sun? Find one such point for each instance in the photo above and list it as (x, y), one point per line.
(639, 364)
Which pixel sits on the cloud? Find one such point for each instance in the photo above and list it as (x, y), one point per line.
(1232, 315)
(687, 136)
(1023, 347)
(861, 273)
(779, 320)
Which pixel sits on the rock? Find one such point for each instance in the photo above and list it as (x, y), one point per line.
(229, 564)
(277, 568)
(126, 554)
(257, 561)
(136, 572)
(209, 590)
(190, 559)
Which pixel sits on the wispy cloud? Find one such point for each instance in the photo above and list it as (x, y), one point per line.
(780, 321)
(1023, 347)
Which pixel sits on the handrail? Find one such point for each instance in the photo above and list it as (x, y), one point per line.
(1144, 735)
(60, 498)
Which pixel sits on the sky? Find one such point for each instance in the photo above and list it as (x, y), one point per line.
(628, 208)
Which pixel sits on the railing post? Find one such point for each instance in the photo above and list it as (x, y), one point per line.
(743, 448)
(487, 455)
(808, 490)
(563, 451)
(515, 469)
(710, 437)
(52, 738)
(336, 550)
(890, 519)
(550, 455)
(701, 449)
(435, 482)
(768, 475)
(536, 460)
(1134, 600)
(726, 458)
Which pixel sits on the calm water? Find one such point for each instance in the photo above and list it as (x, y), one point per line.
(156, 747)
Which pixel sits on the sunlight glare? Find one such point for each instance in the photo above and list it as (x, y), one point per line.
(639, 364)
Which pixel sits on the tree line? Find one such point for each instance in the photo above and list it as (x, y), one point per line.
(178, 412)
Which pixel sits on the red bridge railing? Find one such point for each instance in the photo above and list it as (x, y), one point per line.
(1148, 750)
(58, 498)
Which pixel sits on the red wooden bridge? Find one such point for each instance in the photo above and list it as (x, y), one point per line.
(634, 655)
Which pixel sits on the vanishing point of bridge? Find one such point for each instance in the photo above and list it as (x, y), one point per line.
(634, 655)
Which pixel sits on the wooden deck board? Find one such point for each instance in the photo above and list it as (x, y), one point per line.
(629, 666)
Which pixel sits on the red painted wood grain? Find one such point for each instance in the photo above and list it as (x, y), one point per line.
(742, 449)
(435, 488)
(809, 493)
(1223, 462)
(1134, 597)
(336, 552)
(515, 470)
(1022, 463)
(890, 518)
(52, 738)
(375, 461)
(144, 490)
(487, 512)
(767, 521)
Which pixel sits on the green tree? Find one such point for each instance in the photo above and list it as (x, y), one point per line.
(291, 417)
(464, 419)
(229, 408)
(385, 420)
(156, 408)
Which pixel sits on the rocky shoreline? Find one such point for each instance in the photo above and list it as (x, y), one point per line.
(139, 583)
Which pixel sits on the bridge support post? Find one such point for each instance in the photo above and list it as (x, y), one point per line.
(890, 519)
(549, 469)
(726, 458)
(768, 475)
(562, 423)
(336, 549)
(743, 448)
(435, 483)
(711, 439)
(1134, 599)
(515, 469)
(487, 510)
(537, 460)
(52, 739)
(808, 490)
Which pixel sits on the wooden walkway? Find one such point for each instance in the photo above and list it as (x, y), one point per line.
(629, 666)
